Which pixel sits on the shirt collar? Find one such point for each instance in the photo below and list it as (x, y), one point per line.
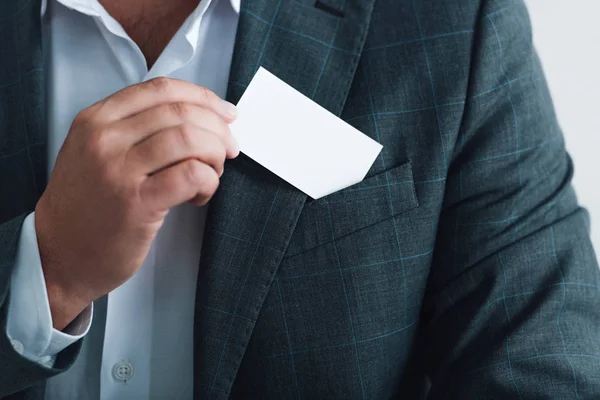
(90, 4)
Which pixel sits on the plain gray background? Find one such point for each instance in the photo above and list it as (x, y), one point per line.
(567, 35)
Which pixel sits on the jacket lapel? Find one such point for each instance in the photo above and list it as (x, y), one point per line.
(254, 213)
(22, 134)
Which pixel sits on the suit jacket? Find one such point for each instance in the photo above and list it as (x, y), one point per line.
(462, 262)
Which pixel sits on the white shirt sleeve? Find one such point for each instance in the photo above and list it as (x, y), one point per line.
(29, 321)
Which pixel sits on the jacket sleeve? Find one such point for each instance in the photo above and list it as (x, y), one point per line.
(16, 371)
(512, 308)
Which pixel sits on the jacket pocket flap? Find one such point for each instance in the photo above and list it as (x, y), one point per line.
(375, 199)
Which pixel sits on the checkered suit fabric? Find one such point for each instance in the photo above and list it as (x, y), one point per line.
(460, 268)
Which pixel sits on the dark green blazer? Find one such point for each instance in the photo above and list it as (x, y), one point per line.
(462, 262)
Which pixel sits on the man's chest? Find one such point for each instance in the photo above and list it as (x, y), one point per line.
(150, 24)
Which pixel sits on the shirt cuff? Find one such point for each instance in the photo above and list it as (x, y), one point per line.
(29, 321)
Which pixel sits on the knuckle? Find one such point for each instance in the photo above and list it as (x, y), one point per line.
(194, 172)
(185, 136)
(97, 141)
(203, 177)
(82, 116)
(181, 110)
(205, 93)
(160, 84)
(214, 150)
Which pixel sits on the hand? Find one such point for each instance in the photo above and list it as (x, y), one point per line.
(125, 162)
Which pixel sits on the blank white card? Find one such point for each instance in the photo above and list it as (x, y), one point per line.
(298, 140)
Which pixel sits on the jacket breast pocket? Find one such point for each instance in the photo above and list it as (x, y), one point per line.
(377, 198)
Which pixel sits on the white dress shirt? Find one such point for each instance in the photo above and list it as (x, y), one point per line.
(140, 343)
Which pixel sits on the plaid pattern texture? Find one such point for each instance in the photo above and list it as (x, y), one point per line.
(462, 262)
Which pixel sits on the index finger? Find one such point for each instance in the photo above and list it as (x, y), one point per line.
(158, 91)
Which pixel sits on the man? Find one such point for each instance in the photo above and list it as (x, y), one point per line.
(459, 268)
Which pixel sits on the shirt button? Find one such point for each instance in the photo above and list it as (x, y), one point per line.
(122, 371)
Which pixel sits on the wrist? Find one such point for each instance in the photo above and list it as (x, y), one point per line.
(64, 306)
(63, 297)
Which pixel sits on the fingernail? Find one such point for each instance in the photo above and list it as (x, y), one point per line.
(229, 109)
